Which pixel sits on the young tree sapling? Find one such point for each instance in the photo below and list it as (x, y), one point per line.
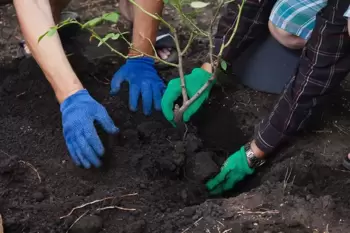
(188, 21)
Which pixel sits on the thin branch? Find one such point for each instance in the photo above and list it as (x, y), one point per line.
(114, 207)
(33, 168)
(178, 113)
(153, 48)
(154, 16)
(193, 25)
(143, 10)
(172, 29)
(195, 96)
(258, 212)
(211, 47)
(96, 201)
(77, 220)
(154, 57)
(123, 37)
(236, 26)
(210, 37)
(194, 224)
(181, 71)
(192, 36)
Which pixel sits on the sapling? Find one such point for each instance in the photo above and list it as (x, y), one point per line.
(188, 21)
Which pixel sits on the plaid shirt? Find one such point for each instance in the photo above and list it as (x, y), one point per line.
(323, 64)
(296, 16)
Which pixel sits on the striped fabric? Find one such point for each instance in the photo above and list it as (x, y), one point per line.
(296, 16)
(323, 64)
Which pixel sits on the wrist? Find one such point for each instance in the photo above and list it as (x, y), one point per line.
(259, 153)
(62, 95)
(142, 50)
(254, 156)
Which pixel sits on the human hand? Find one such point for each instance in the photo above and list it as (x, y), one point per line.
(193, 81)
(143, 79)
(232, 171)
(79, 111)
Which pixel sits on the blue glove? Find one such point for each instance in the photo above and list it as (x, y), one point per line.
(143, 79)
(79, 111)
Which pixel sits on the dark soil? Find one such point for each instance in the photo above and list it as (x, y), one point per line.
(153, 174)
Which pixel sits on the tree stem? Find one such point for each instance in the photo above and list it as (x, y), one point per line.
(181, 71)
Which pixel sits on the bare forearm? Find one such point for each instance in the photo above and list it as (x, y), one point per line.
(145, 26)
(35, 18)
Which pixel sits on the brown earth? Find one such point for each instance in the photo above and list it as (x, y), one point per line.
(303, 188)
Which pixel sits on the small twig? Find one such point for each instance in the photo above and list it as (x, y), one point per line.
(20, 94)
(143, 10)
(210, 36)
(94, 202)
(153, 48)
(26, 163)
(114, 207)
(228, 230)
(236, 26)
(77, 220)
(123, 37)
(192, 36)
(327, 229)
(258, 212)
(194, 224)
(286, 179)
(193, 24)
(340, 129)
(32, 167)
(105, 83)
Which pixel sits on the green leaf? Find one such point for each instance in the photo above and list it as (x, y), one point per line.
(93, 22)
(52, 31)
(223, 65)
(49, 33)
(115, 36)
(42, 36)
(111, 17)
(112, 36)
(166, 1)
(198, 4)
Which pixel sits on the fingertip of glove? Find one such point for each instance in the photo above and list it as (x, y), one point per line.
(115, 130)
(132, 108)
(113, 92)
(147, 112)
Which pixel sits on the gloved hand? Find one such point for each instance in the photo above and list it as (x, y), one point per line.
(143, 79)
(79, 111)
(233, 170)
(193, 81)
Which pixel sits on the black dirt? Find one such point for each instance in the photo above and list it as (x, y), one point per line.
(87, 224)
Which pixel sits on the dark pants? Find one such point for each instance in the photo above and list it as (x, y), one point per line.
(324, 63)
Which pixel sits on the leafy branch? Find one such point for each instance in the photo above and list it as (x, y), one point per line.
(188, 20)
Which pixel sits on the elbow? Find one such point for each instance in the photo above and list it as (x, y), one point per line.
(286, 39)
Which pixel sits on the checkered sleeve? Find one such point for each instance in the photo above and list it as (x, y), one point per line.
(323, 64)
(252, 24)
(347, 12)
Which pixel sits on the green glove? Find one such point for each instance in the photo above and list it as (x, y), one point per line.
(193, 81)
(233, 170)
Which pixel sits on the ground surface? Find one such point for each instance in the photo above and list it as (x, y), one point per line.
(302, 189)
